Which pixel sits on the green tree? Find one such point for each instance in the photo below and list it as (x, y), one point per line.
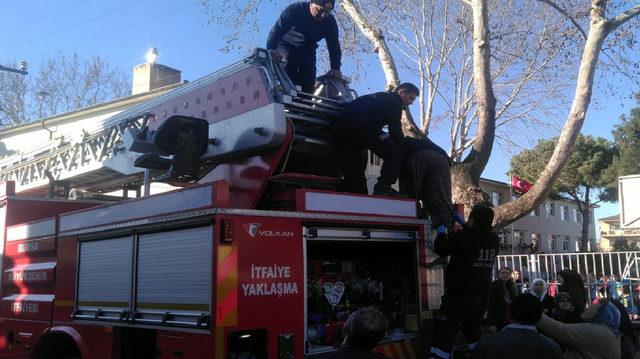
(583, 181)
(627, 140)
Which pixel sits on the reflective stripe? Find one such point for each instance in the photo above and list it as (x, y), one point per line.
(439, 353)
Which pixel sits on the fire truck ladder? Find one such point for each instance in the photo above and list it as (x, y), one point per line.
(82, 162)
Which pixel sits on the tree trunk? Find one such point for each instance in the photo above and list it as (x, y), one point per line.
(598, 32)
(465, 177)
(586, 219)
(386, 60)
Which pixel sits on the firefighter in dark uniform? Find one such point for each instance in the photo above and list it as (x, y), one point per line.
(294, 38)
(467, 279)
(359, 127)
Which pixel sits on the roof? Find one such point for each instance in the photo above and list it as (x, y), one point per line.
(614, 218)
(81, 112)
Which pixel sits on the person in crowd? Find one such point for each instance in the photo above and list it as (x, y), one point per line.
(294, 37)
(597, 337)
(626, 299)
(592, 283)
(467, 277)
(614, 284)
(571, 283)
(501, 293)
(358, 127)
(564, 310)
(526, 287)
(519, 339)
(628, 339)
(518, 282)
(539, 290)
(363, 330)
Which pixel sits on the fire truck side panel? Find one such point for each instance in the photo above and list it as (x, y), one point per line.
(271, 279)
(66, 273)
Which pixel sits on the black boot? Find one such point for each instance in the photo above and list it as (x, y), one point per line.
(381, 189)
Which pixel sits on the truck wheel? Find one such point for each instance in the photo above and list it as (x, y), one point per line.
(56, 346)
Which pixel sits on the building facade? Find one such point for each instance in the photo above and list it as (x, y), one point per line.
(611, 231)
(553, 227)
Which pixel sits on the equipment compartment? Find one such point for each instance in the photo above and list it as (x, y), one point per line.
(346, 274)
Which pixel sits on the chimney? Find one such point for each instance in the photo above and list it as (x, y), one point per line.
(150, 76)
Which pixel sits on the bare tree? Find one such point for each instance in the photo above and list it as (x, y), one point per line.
(61, 84)
(495, 66)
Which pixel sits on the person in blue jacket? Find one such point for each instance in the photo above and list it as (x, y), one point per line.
(294, 39)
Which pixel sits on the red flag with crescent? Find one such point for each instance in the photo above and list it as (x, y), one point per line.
(519, 185)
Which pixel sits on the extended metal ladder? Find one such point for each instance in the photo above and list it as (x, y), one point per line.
(84, 163)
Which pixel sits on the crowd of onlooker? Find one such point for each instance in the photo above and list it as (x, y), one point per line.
(571, 317)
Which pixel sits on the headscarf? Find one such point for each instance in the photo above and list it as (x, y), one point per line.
(544, 285)
(565, 316)
(607, 315)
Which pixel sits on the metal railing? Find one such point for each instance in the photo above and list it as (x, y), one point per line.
(599, 270)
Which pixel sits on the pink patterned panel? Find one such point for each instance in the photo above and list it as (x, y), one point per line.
(227, 97)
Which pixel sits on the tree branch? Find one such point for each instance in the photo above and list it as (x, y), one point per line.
(565, 14)
(624, 17)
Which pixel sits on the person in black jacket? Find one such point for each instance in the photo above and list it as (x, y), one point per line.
(501, 292)
(520, 339)
(294, 38)
(358, 127)
(467, 278)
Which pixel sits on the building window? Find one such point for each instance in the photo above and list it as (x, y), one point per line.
(535, 212)
(241, 99)
(535, 241)
(256, 95)
(496, 198)
(228, 104)
(518, 238)
(203, 114)
(249, 80)
(234, 86)
(564, 213)
(578, 243)
(215, 109)
(565, 243)
(209, 96)
(197, 100)
(551, 242)
(164, 113)
(186, 105)
(222, 91)
(175, 110)
(549, 209)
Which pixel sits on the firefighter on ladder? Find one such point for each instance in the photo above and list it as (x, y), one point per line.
(294, 39)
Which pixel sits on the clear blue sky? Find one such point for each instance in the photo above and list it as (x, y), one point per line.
(121, 31)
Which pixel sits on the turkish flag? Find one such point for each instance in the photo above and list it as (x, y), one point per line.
(519, 185)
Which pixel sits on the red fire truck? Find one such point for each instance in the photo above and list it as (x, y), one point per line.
(257, 256)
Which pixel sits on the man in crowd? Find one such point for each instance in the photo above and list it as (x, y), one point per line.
(364, 329)
(294, 38)
(359, 127)
(520, 339)
(467, 278)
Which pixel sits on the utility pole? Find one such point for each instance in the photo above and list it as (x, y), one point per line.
(22, 68)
